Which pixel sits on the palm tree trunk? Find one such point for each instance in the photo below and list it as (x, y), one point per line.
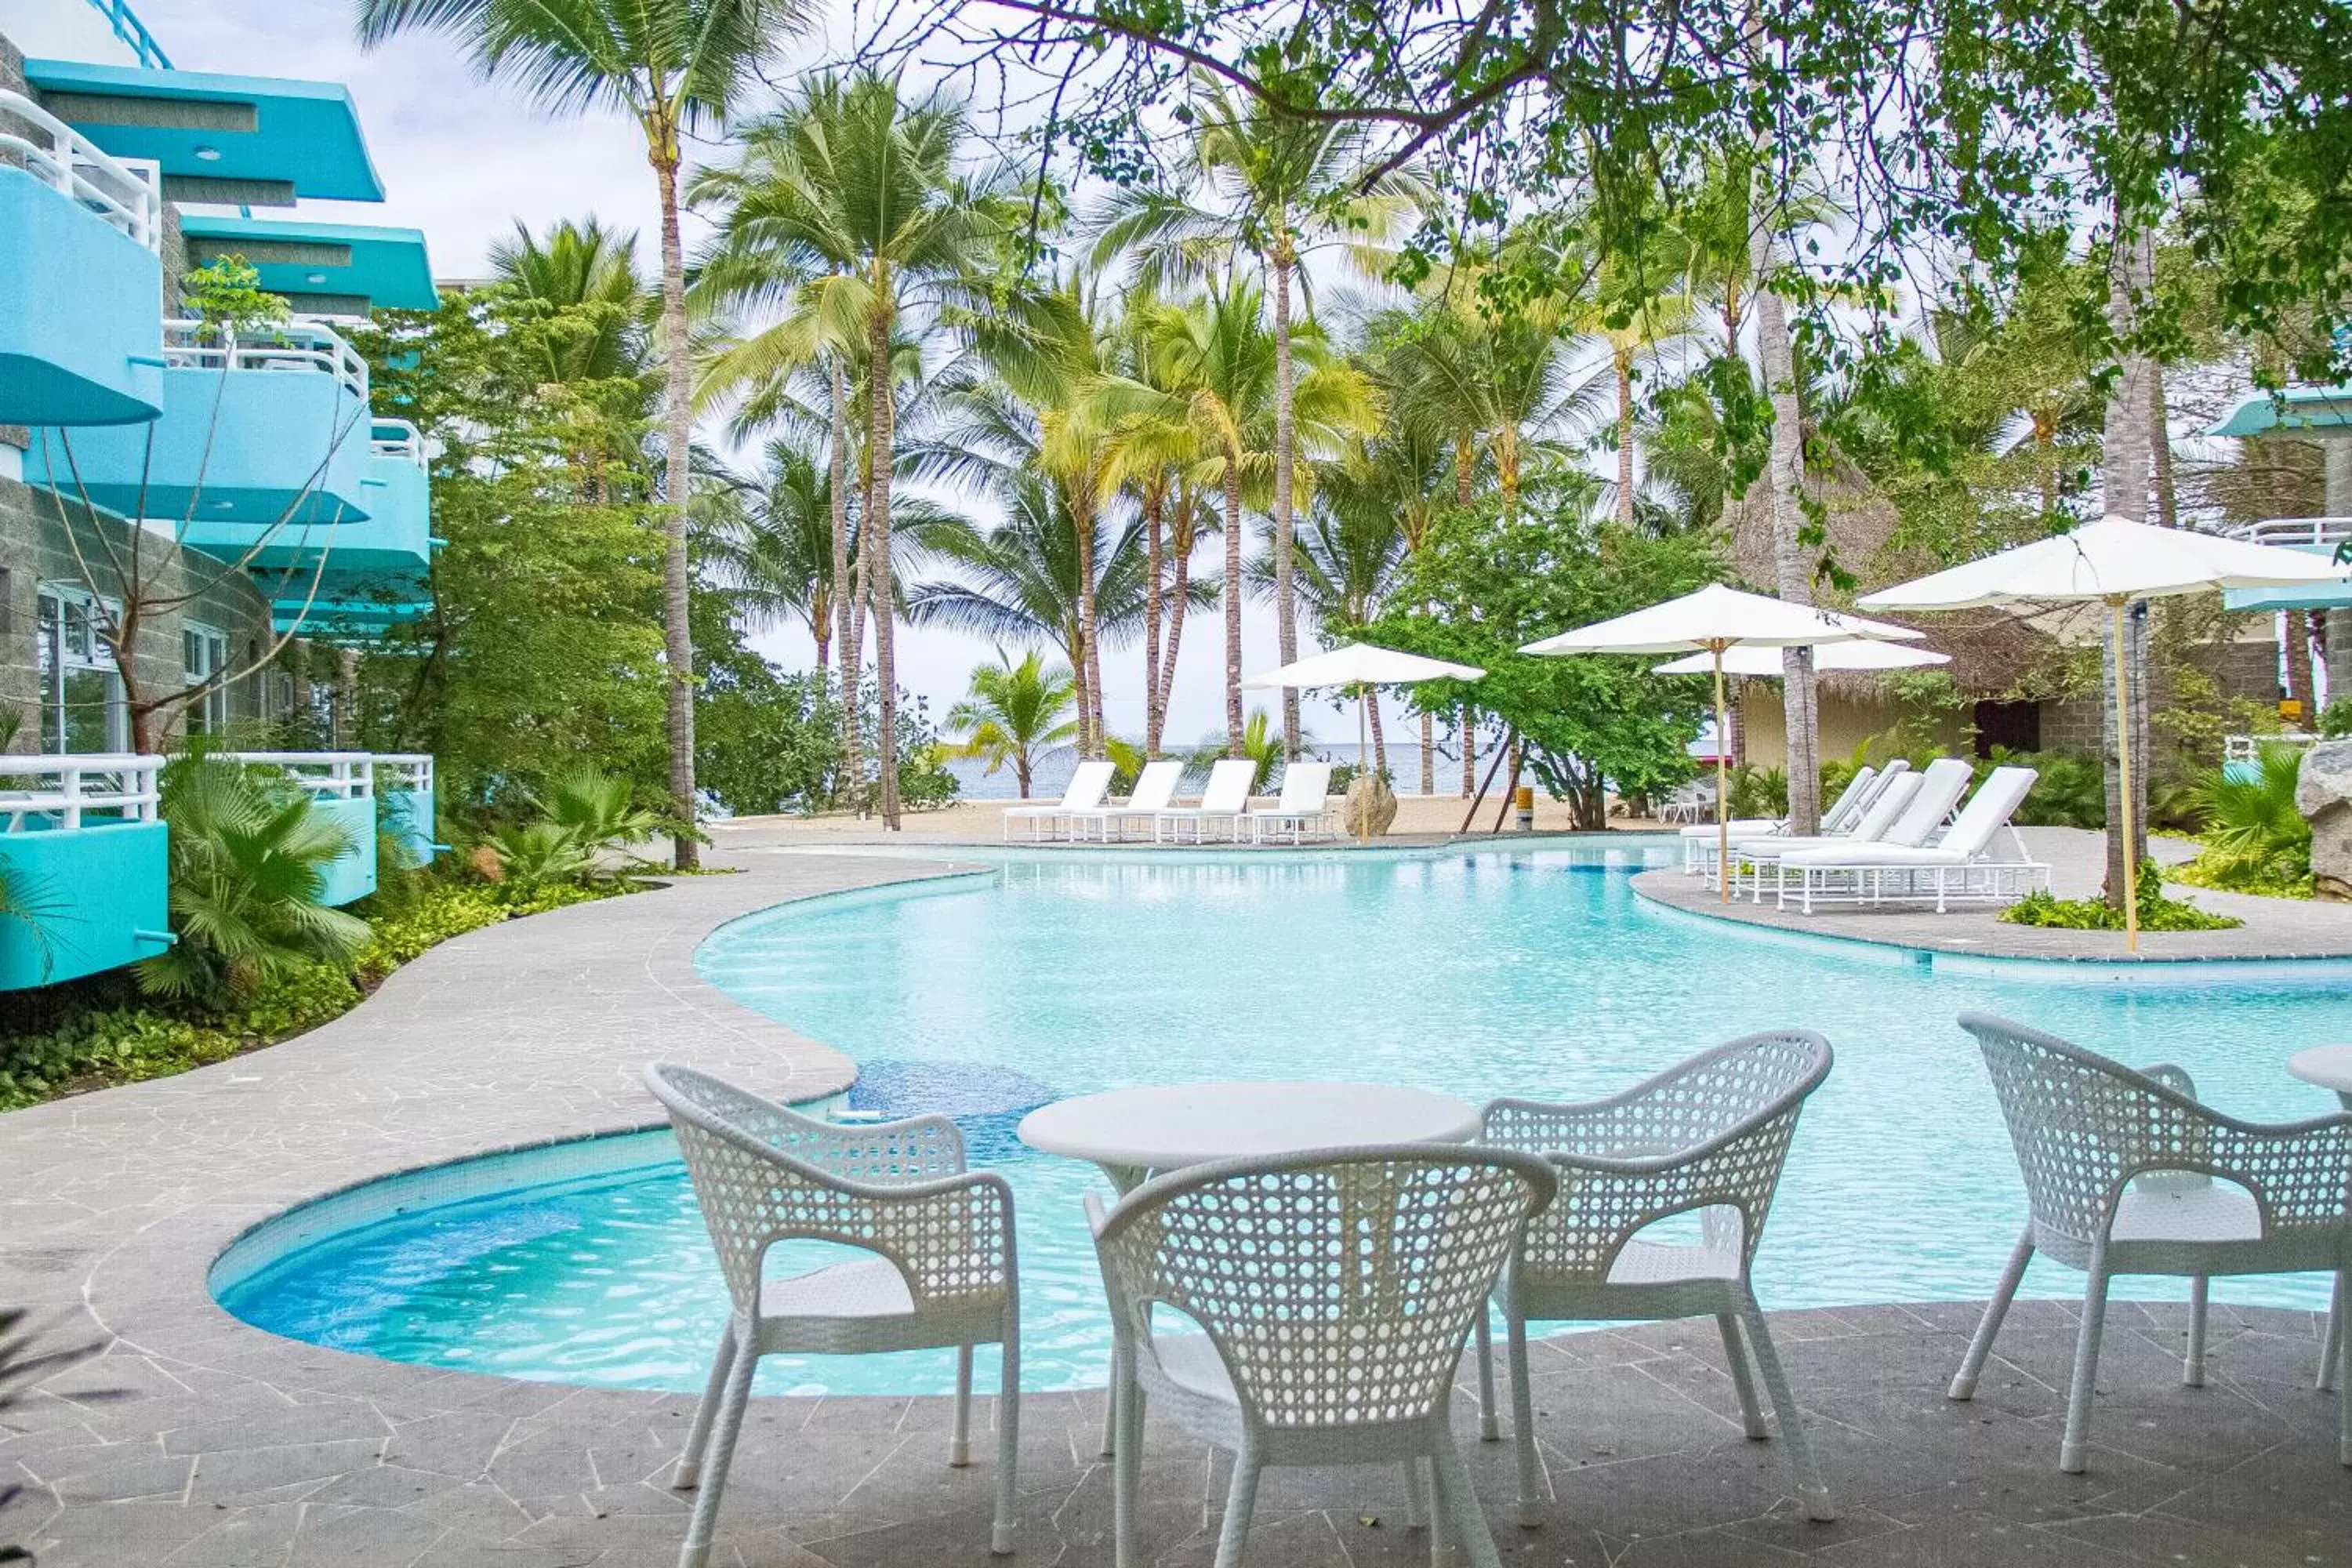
(1464, 461)
(880, 446)
(1233, 493)
(1380, 742)
(677, 585)
(2123, 492)
(1625, 365)
(1082, 524)
(1285, 437)
(1790, 570)
(1154, 499)
(1428, 754)
(1180, 597)
(848, 630)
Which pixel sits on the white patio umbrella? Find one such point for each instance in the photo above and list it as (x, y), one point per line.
(1714, 621)
(1361, 666)
(1764, 663)
(2116, 561)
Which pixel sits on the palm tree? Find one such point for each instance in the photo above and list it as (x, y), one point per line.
(771, 549)
(588, 268)
(1015, 711)
(1213, 367)
(671, 66)
(1277, 184)
(856, 195)
(1345, 561)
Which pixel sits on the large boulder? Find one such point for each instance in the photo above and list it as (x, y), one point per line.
(1368, 794)
(2324, 796)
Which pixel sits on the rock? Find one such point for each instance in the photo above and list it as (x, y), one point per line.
(2324, 796)
(1369, 793)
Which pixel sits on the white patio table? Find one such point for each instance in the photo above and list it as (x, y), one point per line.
(1133, 1132)
(2330, 1067)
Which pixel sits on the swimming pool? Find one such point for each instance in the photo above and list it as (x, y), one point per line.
(1489, 972)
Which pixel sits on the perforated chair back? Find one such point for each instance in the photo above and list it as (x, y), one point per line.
(1337, 1287)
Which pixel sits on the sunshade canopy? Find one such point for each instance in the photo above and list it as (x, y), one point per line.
(1861, 654)
(2114, 558)
(1716, 616)
(1361, 664)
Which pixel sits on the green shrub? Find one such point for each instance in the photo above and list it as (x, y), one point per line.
(2255, 835)
(2157, 912)
(2071, 791)
(2336, 719)
(1759, 791)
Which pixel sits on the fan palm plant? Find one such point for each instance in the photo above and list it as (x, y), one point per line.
(670, 65)
(250, 855)
(2253, 831)
(1013, 713)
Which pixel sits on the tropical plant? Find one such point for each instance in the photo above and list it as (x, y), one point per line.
(587, 822)
(1261, 744)
(28, 906)
(584, 276)
(1274, 184)
(249, 857)
(771, 550)
(2336, 719)
(671, 66)
(1014, 713)
(2157, 912)
(851, 202)
(2254, 834)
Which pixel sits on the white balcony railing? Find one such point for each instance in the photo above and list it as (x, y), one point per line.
(2246, 748)
(52, 153)
(328, 775)
(2295, 531)
(298, 346)
(403, 770)
(397, 439)
(57, 791)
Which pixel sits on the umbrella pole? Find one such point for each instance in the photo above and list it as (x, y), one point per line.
(1722, 787)
(2124, 770)
(1363, 769)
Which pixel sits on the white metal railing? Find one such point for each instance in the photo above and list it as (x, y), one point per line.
(132, 31)
(2246, 748)
(298, 345)
(396, 438)
(2295, 531)
(78, 172)
(60, 789)
(328, 775)
(403, 770)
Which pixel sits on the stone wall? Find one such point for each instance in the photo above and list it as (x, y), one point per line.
(35, 548)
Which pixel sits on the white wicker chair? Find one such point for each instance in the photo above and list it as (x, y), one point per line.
(943, 1273)
(1335, 1289)
(1709, 1136)
(2127, 1172)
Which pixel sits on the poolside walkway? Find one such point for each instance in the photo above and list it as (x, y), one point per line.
(2274, 928)
(224, 1445)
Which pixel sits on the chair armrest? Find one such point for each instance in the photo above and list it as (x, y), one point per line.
(949, 1236)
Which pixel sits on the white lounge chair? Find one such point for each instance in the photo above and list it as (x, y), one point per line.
(1887, 802)
(1958, 867)
(2127, 1172)
(1089, 784)
(936, 1268)
(1708, 1134)
(1329, 1294)
(1155, 791)
(1927, 808)
(1224, 800)
(1854, 802)
(1303, 808)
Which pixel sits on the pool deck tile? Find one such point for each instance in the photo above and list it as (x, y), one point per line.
(188, 1439)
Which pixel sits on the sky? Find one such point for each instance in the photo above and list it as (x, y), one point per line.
(463, 161)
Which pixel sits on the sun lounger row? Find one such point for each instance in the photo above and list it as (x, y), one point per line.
(1304, 809)
(1893, 837)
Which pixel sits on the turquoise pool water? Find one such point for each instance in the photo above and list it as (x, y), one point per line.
(1497, 971)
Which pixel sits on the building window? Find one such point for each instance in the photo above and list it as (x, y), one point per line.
(204, 653)
(82, 707)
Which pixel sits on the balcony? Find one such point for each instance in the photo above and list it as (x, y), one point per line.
(342, 788)
(83, 851)
(81, 290)
(2314, 536)
(393, 545)
(403, 793)
(271, 429)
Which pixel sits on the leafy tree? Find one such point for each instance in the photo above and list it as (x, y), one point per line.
(1015, 711)
(1488, 582)
(671, 66)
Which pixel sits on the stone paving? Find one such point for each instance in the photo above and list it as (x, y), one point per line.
(194, 1440)
(2274, 928)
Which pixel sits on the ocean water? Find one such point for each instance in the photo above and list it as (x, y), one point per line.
(1499, 972)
